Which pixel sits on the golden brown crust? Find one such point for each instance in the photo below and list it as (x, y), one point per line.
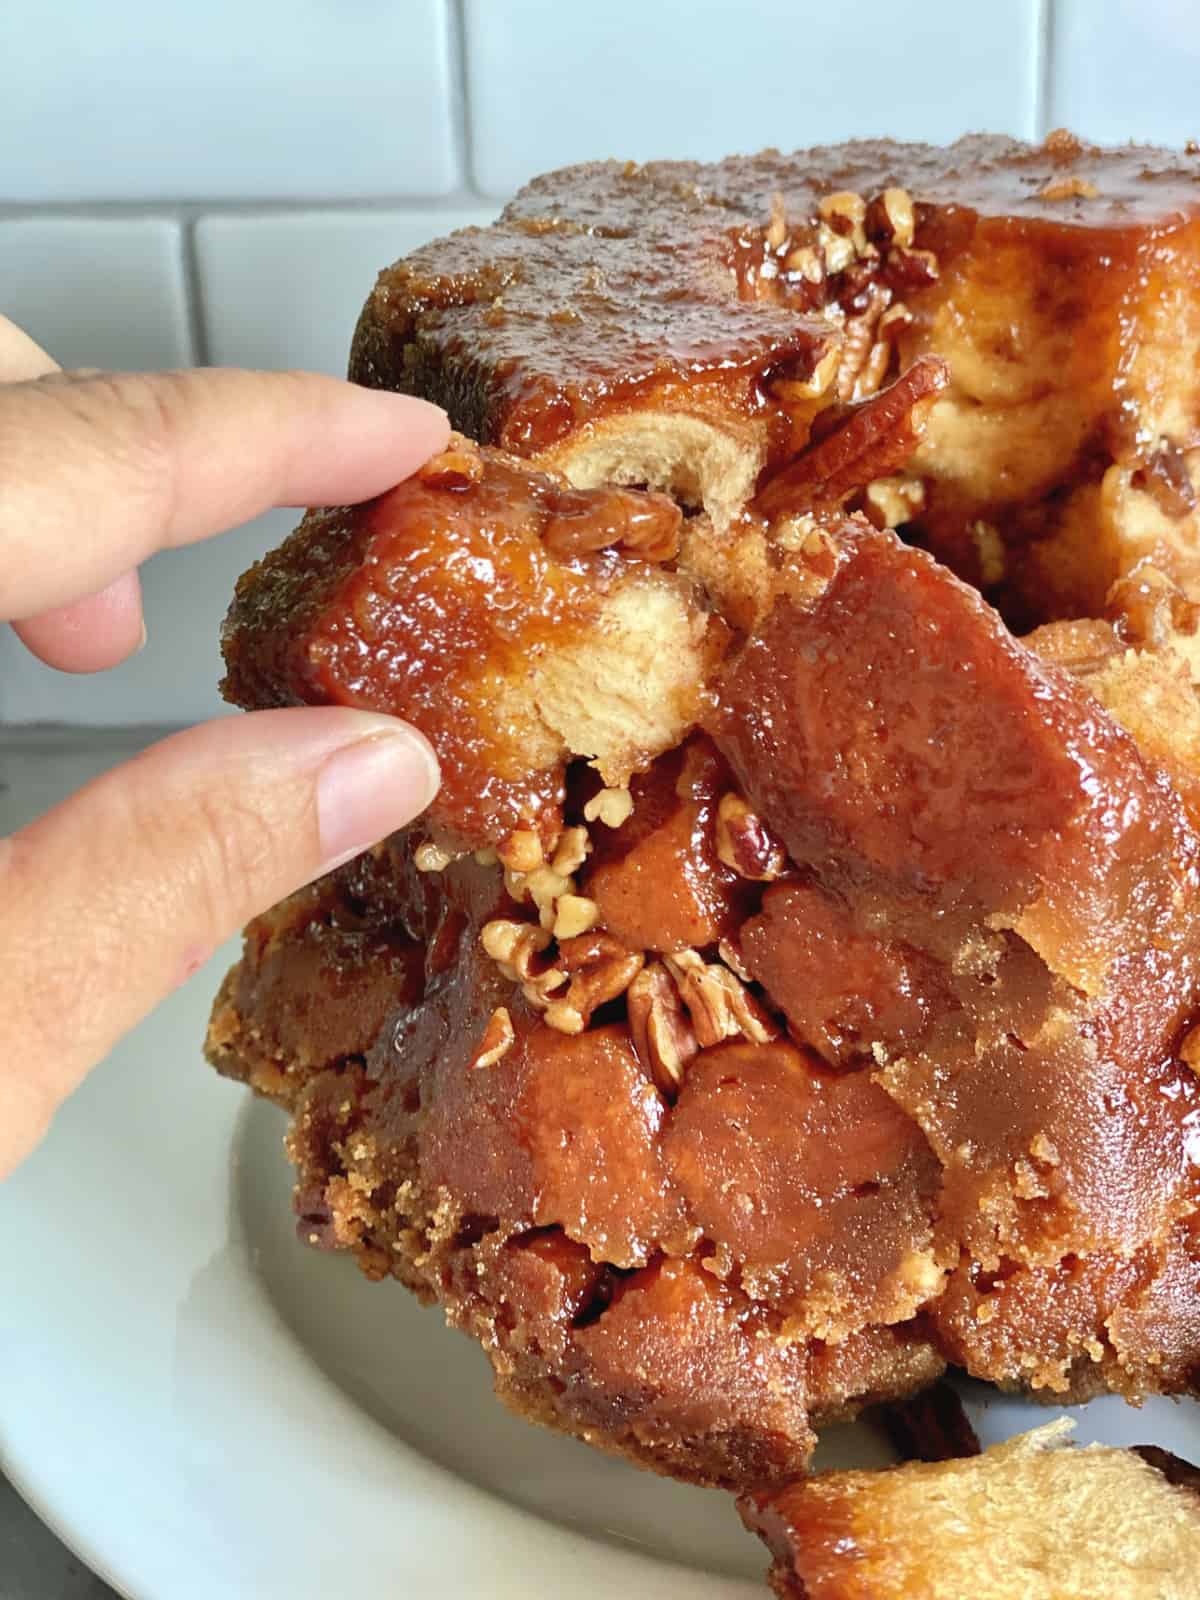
(661, 324)
(1024, 1521)
(517, 621)
(969, 904)
(854, 1034)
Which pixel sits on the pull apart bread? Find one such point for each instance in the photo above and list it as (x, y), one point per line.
(1027, 1520)
(794, 987)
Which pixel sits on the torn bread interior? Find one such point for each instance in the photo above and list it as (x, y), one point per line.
(793, 988)
(1031, 1519)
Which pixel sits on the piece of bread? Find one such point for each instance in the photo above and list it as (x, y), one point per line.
(793, 987)
(656, 324)
(1026, 1520)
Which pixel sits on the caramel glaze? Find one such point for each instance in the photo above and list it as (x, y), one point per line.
(1024, 907)
(595, 1238)
(1052, 278)
(528, 330)
(975, 1141)
(433, 603)
(613, 285)
(972, 1137)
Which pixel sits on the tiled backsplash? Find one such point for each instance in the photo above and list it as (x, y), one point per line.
(222, 183)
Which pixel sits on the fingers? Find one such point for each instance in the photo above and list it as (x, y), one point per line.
(109, 901)
(20, 357)
(96, 473)
(92, 634)
(101, 630)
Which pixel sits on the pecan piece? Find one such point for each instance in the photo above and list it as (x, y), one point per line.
(1070, 187)
(858, 347)
(498, 1039)
(659, 1028)
(907, 270)
(746, 844)
(1165, 478)
(574, 914)
(891, 502)
(612, 807)
(521, 851)
(644, 524)
(891, 218)
(874, 440)
(600, 969)
(719, 1004)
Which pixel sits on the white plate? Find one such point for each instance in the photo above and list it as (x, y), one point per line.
(201, 1407)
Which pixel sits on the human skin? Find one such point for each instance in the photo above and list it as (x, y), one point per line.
(115, 896)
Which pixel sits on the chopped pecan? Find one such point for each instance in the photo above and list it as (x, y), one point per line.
(845, 214)
(572, 851)
(1166, 479)
(730, 953)
(646, 525)
(719, 1004)
(600, 968)
(852, 377)
(891, 219)
(432, 858)
(521, 851)
(905, 270)
(807, 262)
(543, 886)
(873, 441)
(891, 502)
(612, 807)
(658, 1025)
(745, 843)
(514, 946)
(574, 914)
(1150, 610)
(1071, 187)
(498, 1039)
(777, 228)
(517, 949)
(796, 391)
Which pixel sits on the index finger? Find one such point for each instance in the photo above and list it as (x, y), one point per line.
(98, 472)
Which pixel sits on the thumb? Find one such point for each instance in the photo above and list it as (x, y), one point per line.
(110, 900)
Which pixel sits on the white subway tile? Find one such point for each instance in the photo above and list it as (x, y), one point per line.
(110, 294)
(554, 84)
(286, 290)
(1127, 69)
(97, 294)
(174, 679)
(277, 291)
(313, 98)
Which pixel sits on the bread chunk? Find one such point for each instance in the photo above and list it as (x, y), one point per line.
(794, 987)
(1032, 1519)
(660, 324)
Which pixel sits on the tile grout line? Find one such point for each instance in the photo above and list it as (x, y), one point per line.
(464, 198)
(1044, 87)
(460, 100)
(194, 292)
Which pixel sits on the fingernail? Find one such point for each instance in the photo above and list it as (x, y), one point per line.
(369, 789)
(141, 644)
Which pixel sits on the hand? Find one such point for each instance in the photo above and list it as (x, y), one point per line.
(117, 895)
